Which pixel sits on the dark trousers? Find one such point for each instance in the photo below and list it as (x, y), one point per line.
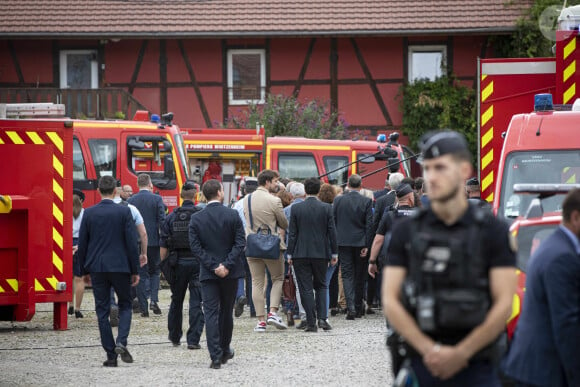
(219, 296)
(186, 277)
(354, 271)
(333, 289)
(150, 275)
(478, 373)
(311, 278)
(102, 283)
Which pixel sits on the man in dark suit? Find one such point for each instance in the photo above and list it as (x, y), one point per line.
(217, 238)
(311, 241)
(354, 222)
(152, 209)
(108, 252)
(544, 351)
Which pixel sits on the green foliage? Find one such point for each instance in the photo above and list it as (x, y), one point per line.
(440, 104)
(527, 41)
(286, 116)
(120, 115)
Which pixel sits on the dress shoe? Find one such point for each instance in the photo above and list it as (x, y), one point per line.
(350, 315)
(110, 363)
(334, 312)
(324, 325)
(193, 346)
(239, 306)
(71, 310)
(370, 310)
(155, 308)
(227, 356)
(78, 314)
(215, 364)
(302, 325)
(311, 329)
(120, 349)
(290, 319)
(144, 314)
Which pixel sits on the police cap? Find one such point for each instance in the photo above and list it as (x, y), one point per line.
(436, 144)
(188, 186)
(79, 193)
(403, 189)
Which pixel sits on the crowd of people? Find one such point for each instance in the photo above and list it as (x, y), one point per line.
(427, 250)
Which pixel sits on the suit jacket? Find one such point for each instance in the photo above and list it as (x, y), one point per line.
(152, 209)
(353, 216)
(312, 232)
(108, 240)
(266, 209)
(544, 350)
(382, 203)
(216, 235)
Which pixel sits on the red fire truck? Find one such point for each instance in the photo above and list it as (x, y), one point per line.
(519, 147)
(224, 154)
(35, 214)
(334, 160)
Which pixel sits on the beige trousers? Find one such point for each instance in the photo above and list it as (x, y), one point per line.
(341, 298)
(258, 271)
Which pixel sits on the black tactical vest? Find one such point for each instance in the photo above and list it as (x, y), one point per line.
(447, 287)
(180, 228)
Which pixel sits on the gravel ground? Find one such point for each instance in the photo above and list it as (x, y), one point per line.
(32, 354)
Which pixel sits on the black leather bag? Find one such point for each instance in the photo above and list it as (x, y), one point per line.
(262, 244)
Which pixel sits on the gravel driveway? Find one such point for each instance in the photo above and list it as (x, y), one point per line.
(32, 354)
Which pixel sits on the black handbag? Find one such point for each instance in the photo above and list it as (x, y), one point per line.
(262, 244)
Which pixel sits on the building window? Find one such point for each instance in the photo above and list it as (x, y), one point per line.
(427, 62)
(246, 76)
(78, 69)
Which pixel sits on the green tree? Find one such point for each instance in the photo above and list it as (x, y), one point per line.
(441, 104)
(527, 41)
(286, 116)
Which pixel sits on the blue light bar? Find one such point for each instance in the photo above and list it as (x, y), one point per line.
(155, 118)
(543, 102)
(382, 138)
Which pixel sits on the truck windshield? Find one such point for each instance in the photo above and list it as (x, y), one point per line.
(557, 167)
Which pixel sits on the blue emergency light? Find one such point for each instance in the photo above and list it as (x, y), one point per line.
(543, 102)
(382, 138)
(155, 118)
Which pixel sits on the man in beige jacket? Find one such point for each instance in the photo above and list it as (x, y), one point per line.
(266, 210)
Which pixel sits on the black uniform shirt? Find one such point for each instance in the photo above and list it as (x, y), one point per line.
(495, 234)
(387, 220)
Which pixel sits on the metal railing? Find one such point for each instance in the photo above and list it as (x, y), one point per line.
(106, 103)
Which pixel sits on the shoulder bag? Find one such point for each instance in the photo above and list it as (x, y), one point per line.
(262, 244)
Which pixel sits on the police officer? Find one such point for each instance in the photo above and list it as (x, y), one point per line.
(450, 276)
(174, 244)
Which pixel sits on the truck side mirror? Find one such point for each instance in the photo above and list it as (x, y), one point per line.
(168, 167)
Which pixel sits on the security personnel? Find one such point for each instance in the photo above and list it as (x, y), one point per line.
(450, 276)
(174, 244)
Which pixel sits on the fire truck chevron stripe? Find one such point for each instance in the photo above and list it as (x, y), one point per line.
(57, 237)
(2, 289)
(56, 140)
(57, 189)
(56, 261)
(483, 76)
(489, 199)
(1, 141)
(38, 286)
(569, 70)
(569, 47)
(13, 283)
(487, 137)
(488, 158)
(57, 213)
(15, 138)
(570, 93)
(486, 92)
(35, 138)
(487, 115)
(487, 180)
(57, 165)
(52, 281)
